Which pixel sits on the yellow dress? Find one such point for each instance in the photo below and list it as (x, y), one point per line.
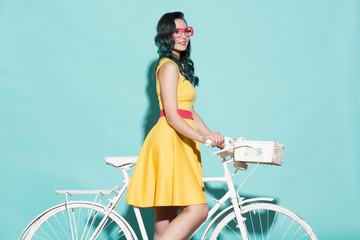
(168, 170)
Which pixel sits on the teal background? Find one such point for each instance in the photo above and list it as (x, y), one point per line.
(76, 86)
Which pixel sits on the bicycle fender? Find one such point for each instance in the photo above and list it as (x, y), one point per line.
(259, 199)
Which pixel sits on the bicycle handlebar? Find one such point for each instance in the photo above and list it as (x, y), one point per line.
(228, 143)
(208, 142)
(227, 149)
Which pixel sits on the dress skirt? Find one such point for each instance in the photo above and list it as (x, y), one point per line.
(168, 171)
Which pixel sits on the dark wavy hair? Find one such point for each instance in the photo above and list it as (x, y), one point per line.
(165, 43)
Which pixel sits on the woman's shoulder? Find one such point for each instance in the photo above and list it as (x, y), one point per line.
(167, 63)
(165, 60)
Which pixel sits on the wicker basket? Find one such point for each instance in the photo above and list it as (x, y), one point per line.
(264, 152)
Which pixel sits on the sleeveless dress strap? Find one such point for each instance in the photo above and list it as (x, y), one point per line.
(162, 62)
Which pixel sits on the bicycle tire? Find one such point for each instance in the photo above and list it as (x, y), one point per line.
(264, 221)
(77, 220)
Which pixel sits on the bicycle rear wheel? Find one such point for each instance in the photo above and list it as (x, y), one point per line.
(264, 221)
(78, 220)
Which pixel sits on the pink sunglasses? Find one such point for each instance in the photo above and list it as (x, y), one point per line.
(188, 32)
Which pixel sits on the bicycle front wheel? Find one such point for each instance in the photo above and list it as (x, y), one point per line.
(78, 220)
(264, 221)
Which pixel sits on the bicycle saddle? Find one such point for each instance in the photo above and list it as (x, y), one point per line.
(120, 162)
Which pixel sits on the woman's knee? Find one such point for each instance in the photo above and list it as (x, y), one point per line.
(205, 211)
(199, 211)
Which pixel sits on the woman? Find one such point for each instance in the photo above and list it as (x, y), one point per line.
(168, 174)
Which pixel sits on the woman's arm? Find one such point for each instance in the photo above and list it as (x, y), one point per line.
(168, 79)
(199, 123)
(217, 138)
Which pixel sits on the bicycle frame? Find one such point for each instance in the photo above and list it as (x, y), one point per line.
(236, 203)
(112, 204)
(232, 218)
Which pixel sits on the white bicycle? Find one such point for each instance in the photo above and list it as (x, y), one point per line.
(255, 218)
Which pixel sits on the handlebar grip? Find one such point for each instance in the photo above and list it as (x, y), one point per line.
(208, 142)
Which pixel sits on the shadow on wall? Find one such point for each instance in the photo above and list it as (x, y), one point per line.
(153, 111)
(148, 218)
(151, 117)
(219, 192)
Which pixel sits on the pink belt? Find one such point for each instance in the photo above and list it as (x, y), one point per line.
(182, 113)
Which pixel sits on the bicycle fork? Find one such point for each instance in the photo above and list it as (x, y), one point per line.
(235, 202)
(240, 219)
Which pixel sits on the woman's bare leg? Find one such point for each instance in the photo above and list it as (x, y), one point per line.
(163, 216)
(185, 224)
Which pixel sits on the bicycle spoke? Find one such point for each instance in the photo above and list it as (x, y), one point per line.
(113, 233)
(252, 225)
(278, 228)
(74, 223)
(67, 224)
(303, 236)
(70, 225)
(78, 223)
(45, 233)
(287, 230)
(71, 222)
(52, 230)
(86, 225)
(39, 237)
(262, 233)
(225, 235)
(92, 222)
(62, 227)
(108, 225)
(232, 230)
(295, 233)
(235, 226)
(267, 222)
(119, 236)
(272, 224)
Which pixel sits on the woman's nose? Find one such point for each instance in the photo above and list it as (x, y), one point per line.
(183, 35)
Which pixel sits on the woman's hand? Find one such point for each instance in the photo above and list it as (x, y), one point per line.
(216, 138)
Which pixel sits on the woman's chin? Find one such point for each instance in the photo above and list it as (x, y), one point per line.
(182, 49)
